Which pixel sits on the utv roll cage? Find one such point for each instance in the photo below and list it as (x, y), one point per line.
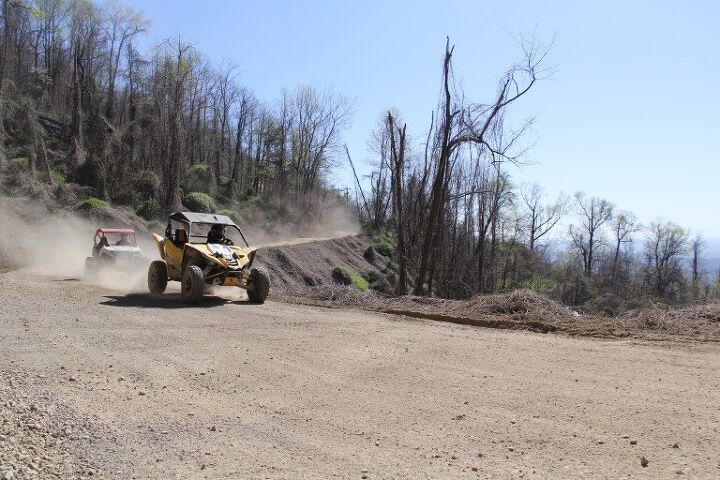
(188, 219)
(100, 236)
(101, 240)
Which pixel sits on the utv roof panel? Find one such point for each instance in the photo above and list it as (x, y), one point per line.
(192, 217)
(114, 230)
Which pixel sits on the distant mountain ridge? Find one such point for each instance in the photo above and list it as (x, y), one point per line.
(710, 257)
(712, 248)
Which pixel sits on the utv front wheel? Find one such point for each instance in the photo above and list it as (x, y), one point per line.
(260, 283)
(157, 277)
(193, 284)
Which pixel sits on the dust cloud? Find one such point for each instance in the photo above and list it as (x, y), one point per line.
(55, 244)
(327, 221)
(38, 240)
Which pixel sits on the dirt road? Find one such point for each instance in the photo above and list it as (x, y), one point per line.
(234, 390)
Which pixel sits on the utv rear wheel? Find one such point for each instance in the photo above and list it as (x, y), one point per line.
(260, 283)
(157, 277)
(193, 284)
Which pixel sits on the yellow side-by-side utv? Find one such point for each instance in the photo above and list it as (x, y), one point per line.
(200, 250)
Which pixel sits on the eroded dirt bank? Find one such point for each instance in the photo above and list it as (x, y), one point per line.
(233, 390)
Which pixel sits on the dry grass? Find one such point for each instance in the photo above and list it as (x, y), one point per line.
(532, 311)
(519, 303)
(699, 322)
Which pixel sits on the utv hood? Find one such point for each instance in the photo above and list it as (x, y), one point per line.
(121, 251)
(230, 257)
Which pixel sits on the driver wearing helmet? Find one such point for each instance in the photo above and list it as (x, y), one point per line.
(217, 235)
(124, 241)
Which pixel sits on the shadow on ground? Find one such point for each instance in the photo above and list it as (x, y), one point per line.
(146, 300)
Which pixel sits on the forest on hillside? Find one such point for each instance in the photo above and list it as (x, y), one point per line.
(155, 131)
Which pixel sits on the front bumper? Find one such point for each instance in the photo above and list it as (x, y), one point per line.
(230, 278)
(124, 264)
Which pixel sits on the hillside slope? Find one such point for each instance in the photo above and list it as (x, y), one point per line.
(54, 241)
(295, 267)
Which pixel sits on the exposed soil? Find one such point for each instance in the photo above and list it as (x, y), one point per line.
(530, 311)
(108, 381)
(41, 436)
(229, 389)
(302, 273)
(293, 266)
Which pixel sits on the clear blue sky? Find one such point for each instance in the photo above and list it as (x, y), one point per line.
(631, 114)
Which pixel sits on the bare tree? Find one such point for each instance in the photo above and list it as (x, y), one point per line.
(364, 207)
(180, 68)
(224, 98)
(697, 245)
(84, 31)
(478, 125)
(587, 238)
(397, 154)
(494, 192)
(246, 104)
(121, 25)
(541, 219)
(624, 225)
(320, 118)
(7, 16)
(665, 244)
(381, 187)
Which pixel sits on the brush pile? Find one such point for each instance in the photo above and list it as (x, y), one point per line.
(520, 304)
(531, 311)
(700, 322)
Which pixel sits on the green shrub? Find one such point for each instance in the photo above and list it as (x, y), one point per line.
(369, 254)
(608, 304)
(633, 303)
(93, 202)
(346, 276)
(58, 174)
(384, 245)
(18, 164)
(359, 281)
(574, 292)
(199, 202)
(538, 283)
(229, 213)
(341, 276)
(377, 282)
(371, 276)
(197, 178)
(390, 267)
(258, 209)
(146, 184)
(149, 209)
(252, 203)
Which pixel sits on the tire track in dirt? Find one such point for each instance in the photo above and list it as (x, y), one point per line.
(231, 389)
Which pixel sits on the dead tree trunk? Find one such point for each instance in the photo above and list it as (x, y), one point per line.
(6, 40)
(437, 200)
(397, 154)
(37, 153)
(172, 195)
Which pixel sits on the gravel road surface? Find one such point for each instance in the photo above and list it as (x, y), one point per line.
(108, 384)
